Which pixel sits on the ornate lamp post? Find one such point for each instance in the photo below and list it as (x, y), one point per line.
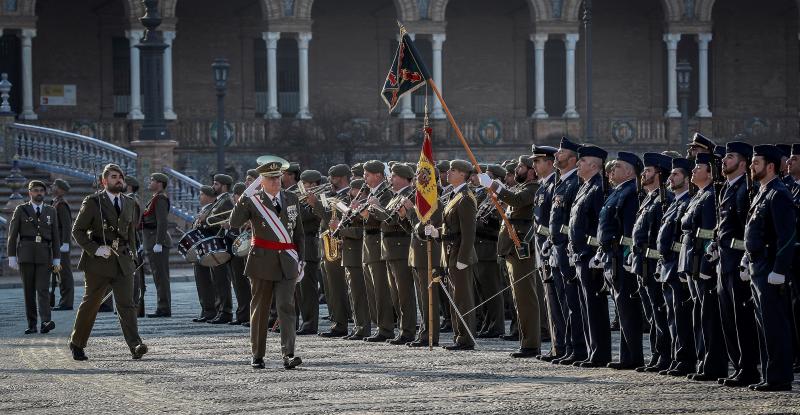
(152, 51)
(221, 67)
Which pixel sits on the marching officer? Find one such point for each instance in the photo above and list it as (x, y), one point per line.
(202, 275)
(105, 230)
(736, 308)
(275, 261)
(309, 285)
(645, 233)
(614, 235)
(155, 222)
(769, 245)
(66, 283)
(521, 265)
(584, 217)
(33, 249)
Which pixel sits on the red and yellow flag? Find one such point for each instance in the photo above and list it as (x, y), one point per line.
(427, 198)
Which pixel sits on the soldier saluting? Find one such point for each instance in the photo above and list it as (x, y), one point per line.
(105, 230)
(33, 248)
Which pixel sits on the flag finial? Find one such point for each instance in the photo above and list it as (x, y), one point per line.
(403, 30)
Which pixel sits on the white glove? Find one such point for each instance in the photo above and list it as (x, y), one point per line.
(157, 248)
(704, 276)
(103, 251)
(572, 259)
(744, 269)
(485, 180)
(628, 266)
(546, 248)
(552, 261)
(12, 263)
(64, 247)
(460, 266)
(431, 231)
(775, 278)
(712, 252)
(56, 262)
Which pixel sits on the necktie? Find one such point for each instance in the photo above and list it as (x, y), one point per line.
(38, 211)
(116, 205)
(277, 205)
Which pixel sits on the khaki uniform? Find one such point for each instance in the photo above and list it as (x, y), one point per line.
(202, 276)
(376, 273)
(116, 271)
(520, 214)
(220, 274)
(418, 260)
(487, 270)
(362, 300)
(395, 242)
(271, 272)
(67, 283)
(309, 286)
(155, 221)
(458, 245)
(34, 240)
(335, 279)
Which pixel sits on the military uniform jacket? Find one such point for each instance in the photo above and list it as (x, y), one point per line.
(268, 264)
(64, 219)
(458, 229)
(155, 222)
(352, 240)
(24, 229)
(734, 203)
(564, 193)
(520, 214)
(542, 203)
(617, 217)
(670, 234)
(116, 231)
(395, 233)
(585, 216)
(137, 220)
(311, 224)
(371, 249)
(418, 251)
(768, 236)
(700, 214)
(645, 230)
(486, 230)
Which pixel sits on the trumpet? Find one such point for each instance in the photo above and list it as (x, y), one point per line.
(354, 212)
(219, 218)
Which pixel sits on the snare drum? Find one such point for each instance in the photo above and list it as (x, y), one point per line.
(241, 245)
(213, 251)
(187, 245)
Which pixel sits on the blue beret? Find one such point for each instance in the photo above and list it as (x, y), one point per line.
(631, 159)
(700, 140)
(785, 149)
(769, 152)
(744, 149)
(543, 151)
(704, 158)
(662, 161)
(796, 149)
(592, 151)
(682, 163)
(566, 144)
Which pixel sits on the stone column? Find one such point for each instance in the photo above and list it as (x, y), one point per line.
(539, 40)
(27, 75)
(271, 39)
(671, 40)
(702, 59)
(302, 56)
(135, 111)
(169, 112)
(406, 109)
(569, 43)
(437, 40)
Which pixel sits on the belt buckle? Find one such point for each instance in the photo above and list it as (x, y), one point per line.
(115, 244)
(38, 238)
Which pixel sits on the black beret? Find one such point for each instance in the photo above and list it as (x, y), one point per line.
(699, 140)
(461, 165)
(590, 150)
(443, 165)
(659, 160)
(786, 149)
(252, 173)
(769, 152)
(403, 170)
(497, 170)
(357, 169)
(683, 163)
(704, 158)
(741, 148)
(566, 144)
(293, 168)
(631, 159)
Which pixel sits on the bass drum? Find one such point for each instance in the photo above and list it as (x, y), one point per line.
(241, 245)
(213, 251)
(188, 244)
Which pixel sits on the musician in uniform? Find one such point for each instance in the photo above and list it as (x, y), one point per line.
(275, 261)
(352, 236)
(33, 249)
(357, 171)
(220, 274)
(66, 283)
(202, 274)
(240, 282)
(105, 231)
(309, 286)
(769, 244)
(157, 243)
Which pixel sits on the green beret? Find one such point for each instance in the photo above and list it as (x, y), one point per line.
(223, 179)
(161, 177)
(526, 161)
(497, 170)
(310, 176)
(510, 166)
(412, 166)
(339, 170)
(403, 170)
(252, 173)
(207, 190)
(357, 183)
(63, 185)
(374, 166)
(461, 165)
(239, 188)
(294, 168)
(130, 181)
(36, 183)
(443, 165)
(357, 169)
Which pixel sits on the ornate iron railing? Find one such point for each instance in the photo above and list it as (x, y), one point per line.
(184, 194)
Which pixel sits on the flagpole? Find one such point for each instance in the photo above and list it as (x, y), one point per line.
(509, 227)
(430, 298)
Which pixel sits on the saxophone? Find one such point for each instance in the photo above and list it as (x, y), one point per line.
(331, 246)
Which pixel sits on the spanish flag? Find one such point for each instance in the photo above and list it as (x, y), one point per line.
(427, 198)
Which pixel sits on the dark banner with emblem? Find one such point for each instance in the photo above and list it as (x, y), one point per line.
(406, 74)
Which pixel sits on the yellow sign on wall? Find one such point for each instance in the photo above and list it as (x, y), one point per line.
(52, 94)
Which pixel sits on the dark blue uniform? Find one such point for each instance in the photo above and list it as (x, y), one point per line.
(564, 277)
(645, 233)
(616, 222)
(542, 205)
(736, 307)
(769, 240)
(676, 292)
(709, 344)
(583, 221)
(794, 189)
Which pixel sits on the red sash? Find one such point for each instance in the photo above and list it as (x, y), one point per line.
(272, 245)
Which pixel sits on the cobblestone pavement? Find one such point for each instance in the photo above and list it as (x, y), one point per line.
(200, 368)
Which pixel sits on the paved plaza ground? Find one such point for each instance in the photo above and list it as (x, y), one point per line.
(200, 368)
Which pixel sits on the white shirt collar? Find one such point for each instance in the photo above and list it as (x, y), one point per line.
(680, 195)
(735, 179)
(546, 179)
(457, 188)
(569, 173)
(111, 197)
(40, 205)
(272, 198)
